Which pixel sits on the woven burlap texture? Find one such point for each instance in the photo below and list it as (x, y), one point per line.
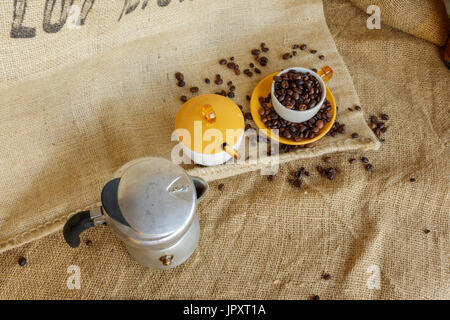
(271, 241)
(70, 125)
(427, 20)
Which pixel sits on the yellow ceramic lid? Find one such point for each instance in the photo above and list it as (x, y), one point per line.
(206, 122)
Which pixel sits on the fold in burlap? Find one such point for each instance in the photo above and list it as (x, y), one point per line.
(266, 240)
(427, 20)
(80, 103)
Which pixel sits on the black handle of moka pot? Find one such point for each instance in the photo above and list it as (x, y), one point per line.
(75, 226)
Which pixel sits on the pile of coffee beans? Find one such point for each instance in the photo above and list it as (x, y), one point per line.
(180, 77)
(297, 90)
(328, 173)
(378, 127)
(295, 131)
(296, 180)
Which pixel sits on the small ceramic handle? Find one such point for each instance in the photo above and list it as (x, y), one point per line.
(325, 73)
(231, 151)
(209, 113)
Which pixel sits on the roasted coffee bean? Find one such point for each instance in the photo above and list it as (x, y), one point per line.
(286, 56)
(237, 72)
(313, 51)
(265, 49)
(249, 74)
(314, 70)
(426, 231)
(236, 67)
(294, 53)
(412, 180)
(221, 187)
(271, 177)
(248, 116)
(385, 117)
(22, 261)
(223, 62)
(256, 52)
(369, 167)
(374, 119)
(358, 108)
(355, 135)
(232, 88)
(352, 160)
(248, 97)
(303, 47)
(218, 81)
(251, 65)
(326, 276)
(295, 46)
(230, 94)
(194, 89)
(315, 297)
(179, 76)
(321, 57)
(350, 109)
(230, 65)
(232, 58)
(181, 84)
(207, 81)
(365, 160)
(184, 98)
(327, 159)
(240, 107)
(88, 243)
(258, 71)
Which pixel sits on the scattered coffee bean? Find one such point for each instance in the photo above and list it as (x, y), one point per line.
(313, 51)
(355, 135)
(294, 53)
(230, 65)
(258, 71)
(256, 52)
(426, 231)
(218, 81)
(223, 62)
(326, 276)
(385, 117)
(271, 177)
(248, 116)
(321, 57)
(365, 160)
(295, 46)
(337, 128)
(286, 56)
(350, 109)
(207, 81)
(88, 243)
(251, 65)
(412, 180)
(352, 160)
(369, 167)
(374, 119)
(194, 89)
(184, 98)
(358, 108)
(22, 261)
(248, 97)
(263, 61)
(232, 58)
(315, 297)
(179, 76)
(230, 94)
(237, 72)
(314, 70)
(327, 159)
(221, 187)
(233, 88)
(181, 84)
(303, 47)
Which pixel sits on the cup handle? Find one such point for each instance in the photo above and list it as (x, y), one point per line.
(231, 151)
(326, 73)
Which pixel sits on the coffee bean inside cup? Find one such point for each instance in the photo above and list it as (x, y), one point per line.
(299, 91)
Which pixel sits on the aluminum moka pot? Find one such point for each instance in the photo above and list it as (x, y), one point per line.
(150, 205)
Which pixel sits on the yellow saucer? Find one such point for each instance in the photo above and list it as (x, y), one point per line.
(262, 90)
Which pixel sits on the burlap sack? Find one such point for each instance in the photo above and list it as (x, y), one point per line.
(424, 19)
(82, 96)
(266, 240)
